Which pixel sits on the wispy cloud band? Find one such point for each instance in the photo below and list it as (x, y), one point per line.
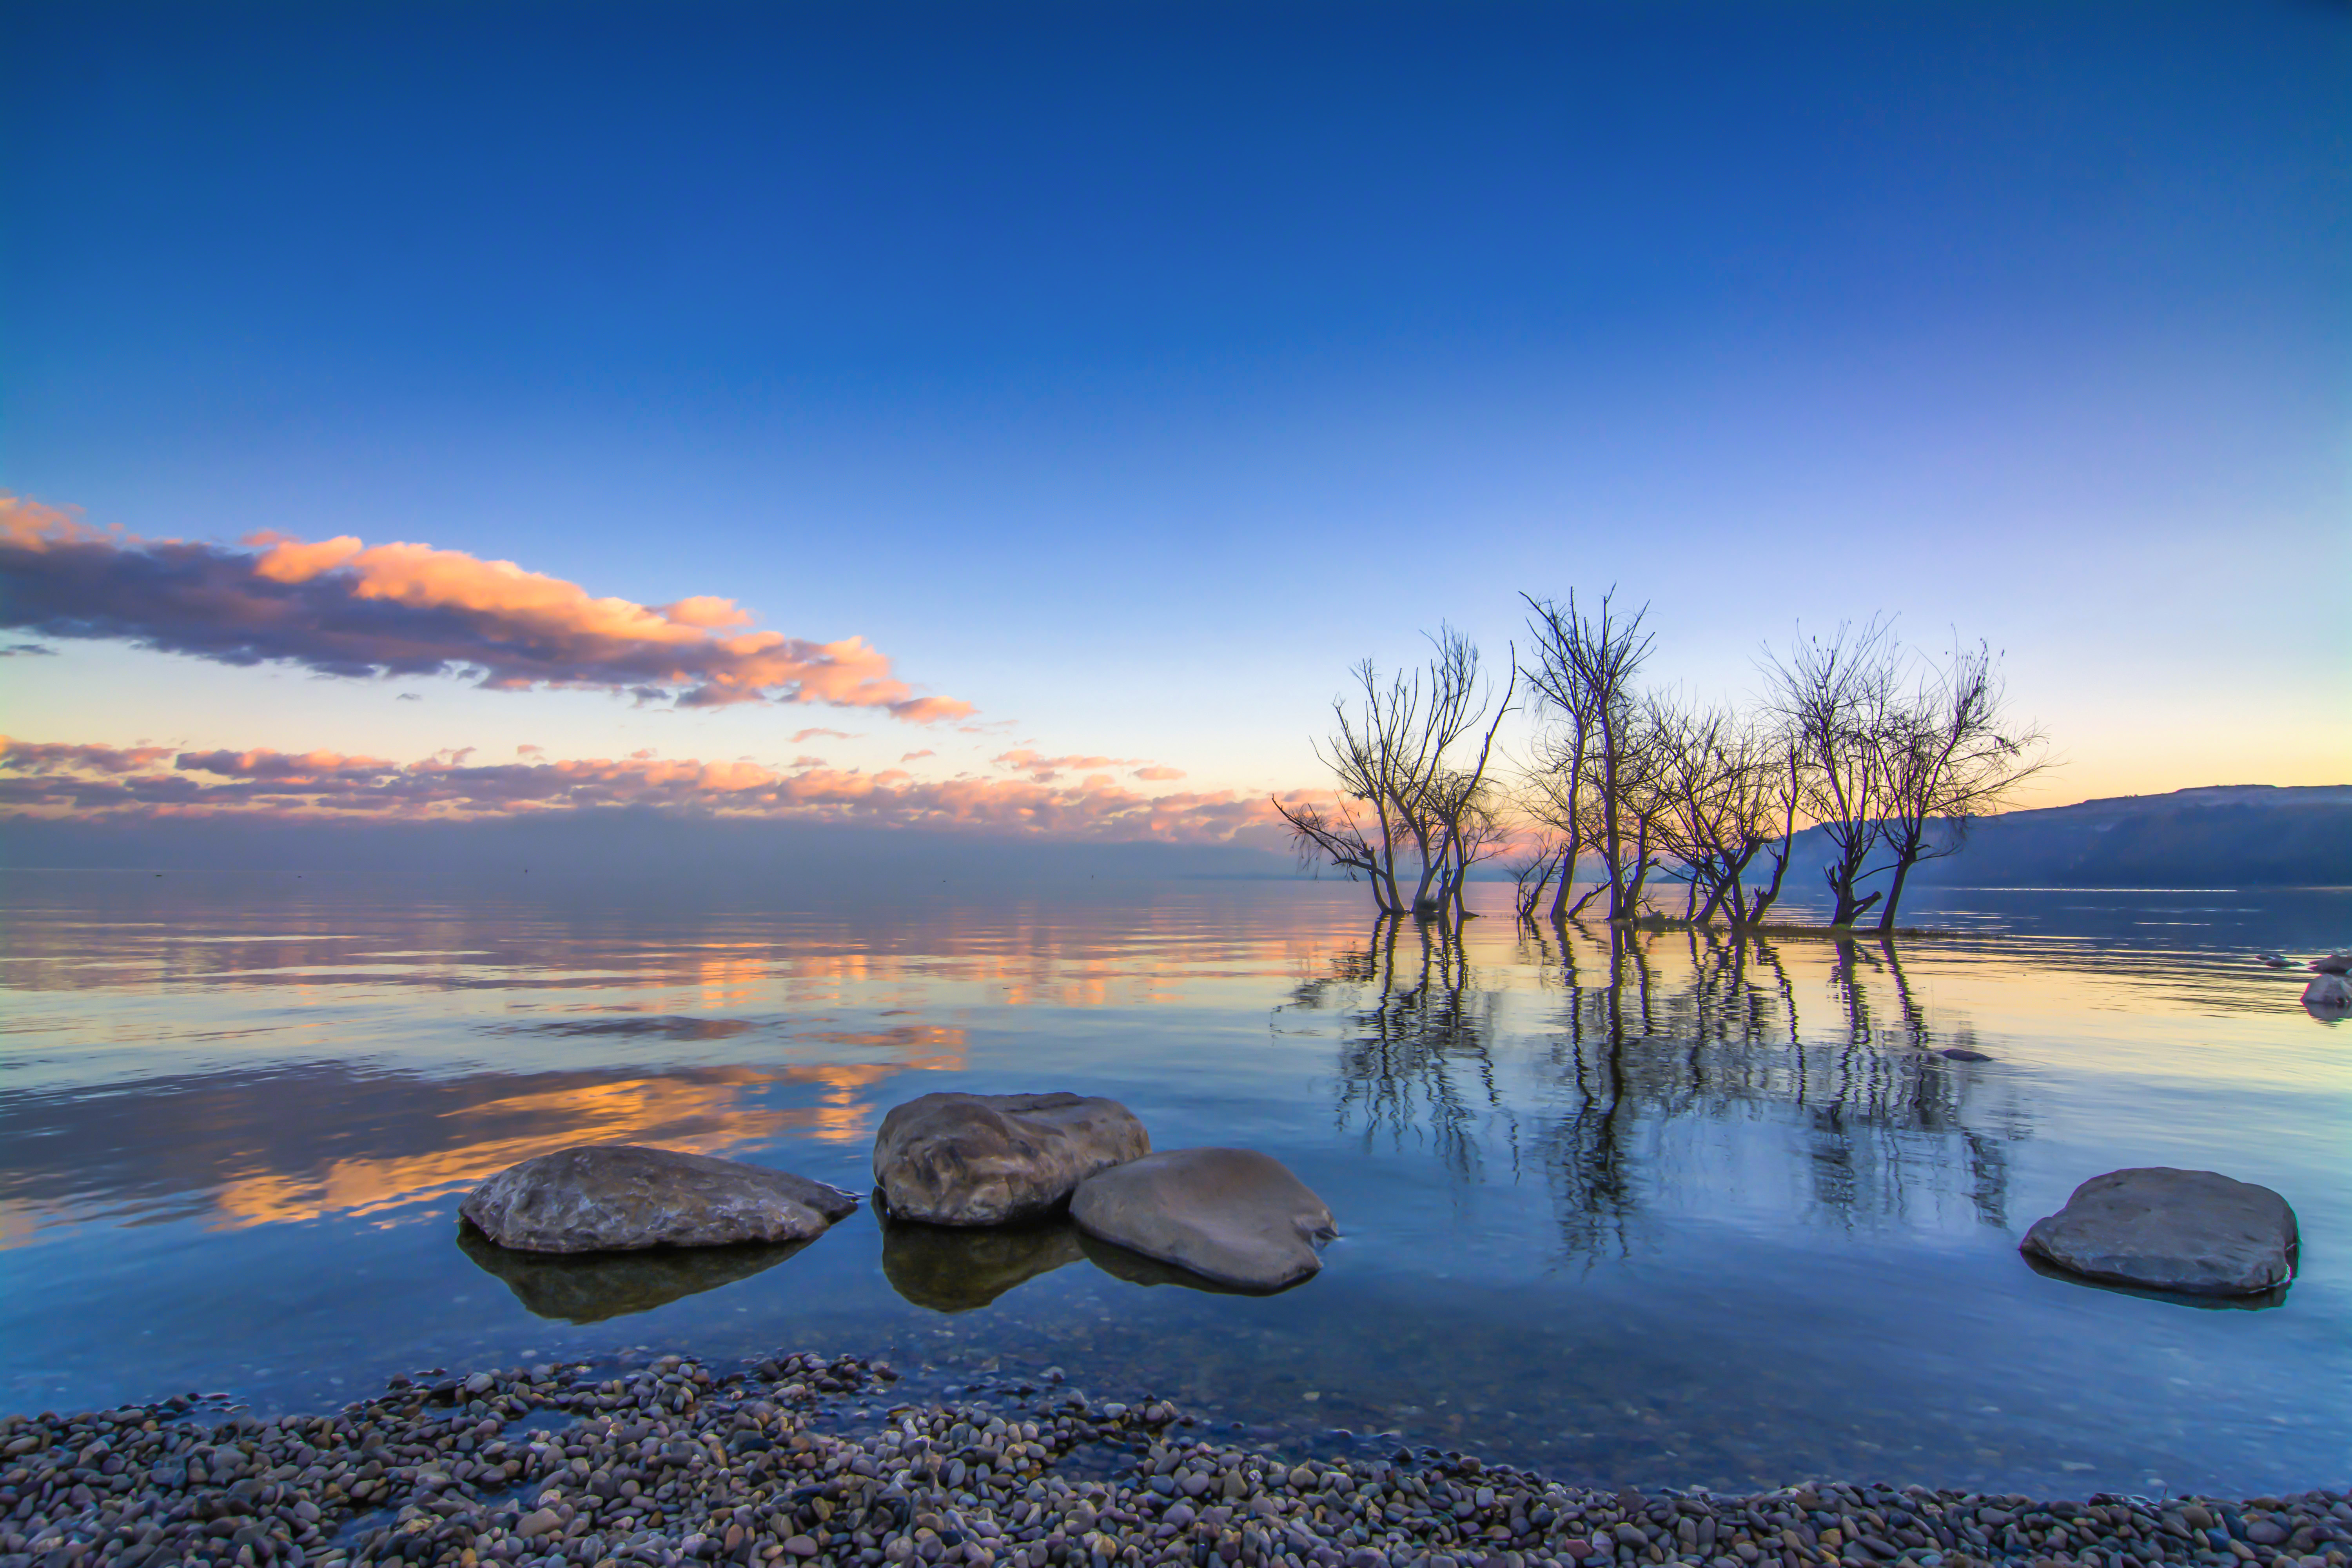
(43, 779)
(341, 608)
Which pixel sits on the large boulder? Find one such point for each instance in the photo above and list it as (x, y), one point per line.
(2328, 996)
(2333, 963)
(1234, 1216)
(2193, 1232)
(988, 1159)
(617, 1197)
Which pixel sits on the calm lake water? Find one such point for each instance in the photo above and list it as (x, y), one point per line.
(1674, 1212)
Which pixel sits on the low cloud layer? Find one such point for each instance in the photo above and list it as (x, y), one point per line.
(341, 607)
(92, 781)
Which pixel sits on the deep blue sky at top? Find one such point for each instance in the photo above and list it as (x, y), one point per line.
(1129, 369)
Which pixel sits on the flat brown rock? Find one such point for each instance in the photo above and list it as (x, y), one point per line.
(1232, 1215)
(2194, 1232)
(991, 1159)
(616, 1197)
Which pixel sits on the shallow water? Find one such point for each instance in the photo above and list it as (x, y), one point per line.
(1667, 1213)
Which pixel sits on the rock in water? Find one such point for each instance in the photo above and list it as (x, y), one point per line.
(986, 1159)
(614, 1197)
(2334, 963)
(1232, 1215)
(2329, 996)
(2190, 1231)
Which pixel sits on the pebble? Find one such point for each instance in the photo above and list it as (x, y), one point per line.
(676, 1464)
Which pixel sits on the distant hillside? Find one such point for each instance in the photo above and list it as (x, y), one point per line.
(2228, 836)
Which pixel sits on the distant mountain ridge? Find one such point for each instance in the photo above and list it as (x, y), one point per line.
(2219, 836)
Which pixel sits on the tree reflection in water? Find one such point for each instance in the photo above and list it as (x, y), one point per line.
(1419, 1058)
(1645, 1040)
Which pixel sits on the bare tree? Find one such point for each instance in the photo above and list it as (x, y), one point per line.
(1780, 785)
(1389, 754)
(1472, 831)
(1947, 757)
(1715, 816)
(1553, 793)
(1460, 802)
(1334, 836)
(1533, 867)
(1641, 796)
(1370, 747)
(1428, 797)
(1837, 699)
(1584, 668)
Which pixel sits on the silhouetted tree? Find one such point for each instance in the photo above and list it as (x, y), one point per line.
(1396, 786)
(1584, 666)
(1837, 699)
(1949, 757)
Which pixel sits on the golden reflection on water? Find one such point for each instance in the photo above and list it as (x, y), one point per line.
(706, 1114)
(699, 1117)
(1783, 1022)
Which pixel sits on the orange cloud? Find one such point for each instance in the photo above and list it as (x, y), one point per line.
(342, 608)
(917, 756)
(83, 759)
(802, 737)
(1158, 775)
(1030, 761)
(45, 780)
(1045, 770)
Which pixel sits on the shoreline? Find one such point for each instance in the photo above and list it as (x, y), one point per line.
(669, 1462)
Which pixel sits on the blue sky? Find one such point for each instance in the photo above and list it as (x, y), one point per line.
(1127, 371)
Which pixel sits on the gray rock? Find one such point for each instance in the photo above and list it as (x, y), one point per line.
(986, 1159)
(2330, 995)
(2334, 963)
(1962, 1054)
(2189, 1231)
(616, 1197)
(1231, 1215)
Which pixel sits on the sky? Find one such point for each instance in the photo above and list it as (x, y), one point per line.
(1023, 416)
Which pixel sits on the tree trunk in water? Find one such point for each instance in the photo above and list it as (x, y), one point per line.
(1567, 880)
(1895, 894)
(1771, 894)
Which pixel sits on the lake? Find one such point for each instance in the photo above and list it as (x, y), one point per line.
(1657, 1210)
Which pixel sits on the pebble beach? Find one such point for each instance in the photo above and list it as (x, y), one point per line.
(788, 1460)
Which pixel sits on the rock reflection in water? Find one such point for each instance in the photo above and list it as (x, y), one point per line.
(590, 1287)
(2260, 1300)
(1120, 1263)
(1876, 1119)
(955, 1269)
